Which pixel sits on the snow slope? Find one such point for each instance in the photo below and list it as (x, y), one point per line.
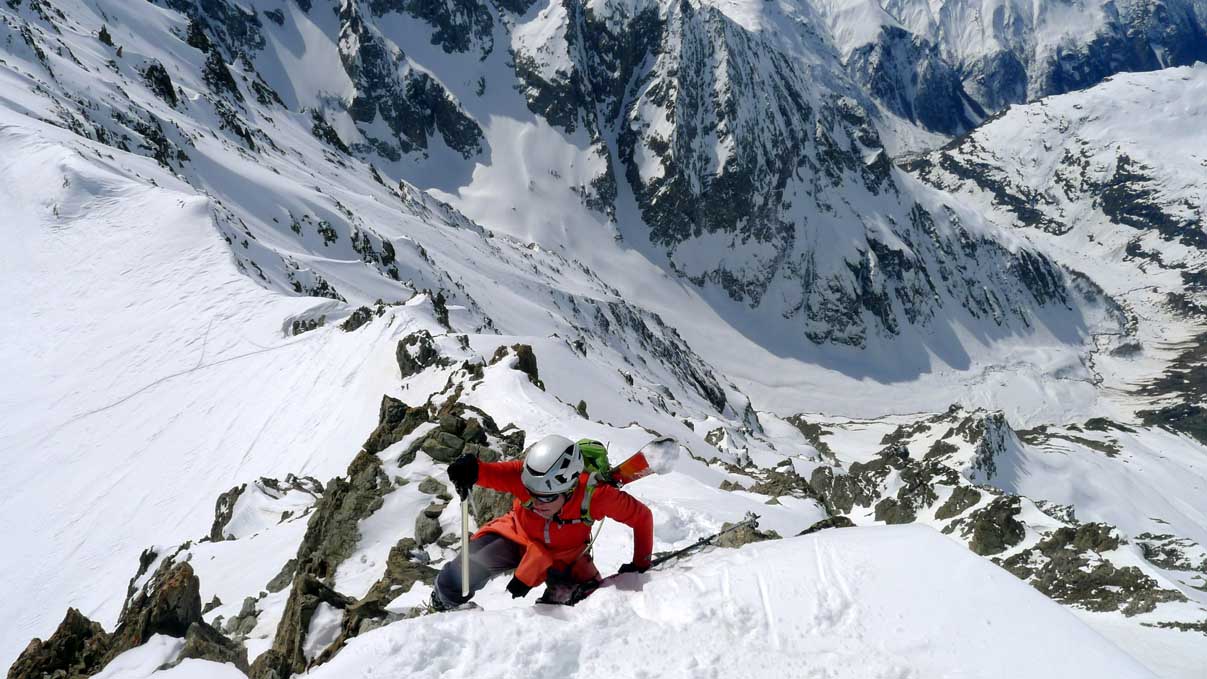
(823, 605)
(136, 393)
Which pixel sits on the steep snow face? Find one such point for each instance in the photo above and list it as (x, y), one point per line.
(978, 57)
(822, 604)
(1110, 181)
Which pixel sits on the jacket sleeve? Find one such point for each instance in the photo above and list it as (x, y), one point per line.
(503, 477)
(618, 505)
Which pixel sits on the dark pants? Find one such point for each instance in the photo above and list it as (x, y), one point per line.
(492, 555)
(489, 555)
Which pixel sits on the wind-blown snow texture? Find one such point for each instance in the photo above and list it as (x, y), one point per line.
(230, 230)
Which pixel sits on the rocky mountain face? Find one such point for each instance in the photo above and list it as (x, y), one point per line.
(947, 65)
(754, 163)
(746, 153)
(1111, 181)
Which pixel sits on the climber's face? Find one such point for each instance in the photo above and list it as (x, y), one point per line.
(547, 506)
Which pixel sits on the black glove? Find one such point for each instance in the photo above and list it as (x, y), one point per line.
(631, 567)
(463, 472)
(518, 588)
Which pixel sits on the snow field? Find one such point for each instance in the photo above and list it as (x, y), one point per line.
(839, 604)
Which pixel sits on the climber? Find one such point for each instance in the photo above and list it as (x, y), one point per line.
(546, 535)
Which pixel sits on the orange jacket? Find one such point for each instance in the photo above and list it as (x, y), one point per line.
(551, 543)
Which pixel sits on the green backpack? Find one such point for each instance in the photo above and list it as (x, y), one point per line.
(595, 457)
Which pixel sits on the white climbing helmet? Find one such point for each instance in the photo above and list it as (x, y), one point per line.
(552, 465)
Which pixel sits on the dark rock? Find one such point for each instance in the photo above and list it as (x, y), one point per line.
(442, 446)
(417, 352)
(910, 77)
(744, 535)
(402, 571)
(427, 524)
(214, 603)
(169, 604)
(357, 319)
(779, 483)
(489, 505)
(223, 511)
(240, 625)
(283, 577)
(324, 132)
(332, 533)
(197, 35)
(394, 421)
(525, 361)
(431, 486)
(413, 105)
(1186, 418)
(206, 643)
(830, 522)
(159, 82)
(452, 424)
(962, 499)
(891, 511)
(286, 656)
(994, 527)
(1067, 566)
(79, 647)
(218, 77)
(474, 432)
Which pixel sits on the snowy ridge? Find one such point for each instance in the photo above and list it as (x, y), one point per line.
(814, 606)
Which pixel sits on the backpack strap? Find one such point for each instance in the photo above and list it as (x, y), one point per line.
(592, 482)
(584, 515)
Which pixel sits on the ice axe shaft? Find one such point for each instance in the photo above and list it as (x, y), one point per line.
(465, 545)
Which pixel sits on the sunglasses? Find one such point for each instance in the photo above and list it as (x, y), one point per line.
(546, 499)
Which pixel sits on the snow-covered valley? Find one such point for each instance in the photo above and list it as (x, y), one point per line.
(270, 266)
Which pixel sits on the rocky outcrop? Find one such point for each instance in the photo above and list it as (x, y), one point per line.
(412, 105)
(203, 642)
(1069, 566)
(416, 352)
(287, 656)
(744, 535)
(829, 522)
(523, 359)
(993, 528)
(1071, 563)
(332, 533)
(79, 647)
(168, 604)
(395, 420)
(908, 75)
